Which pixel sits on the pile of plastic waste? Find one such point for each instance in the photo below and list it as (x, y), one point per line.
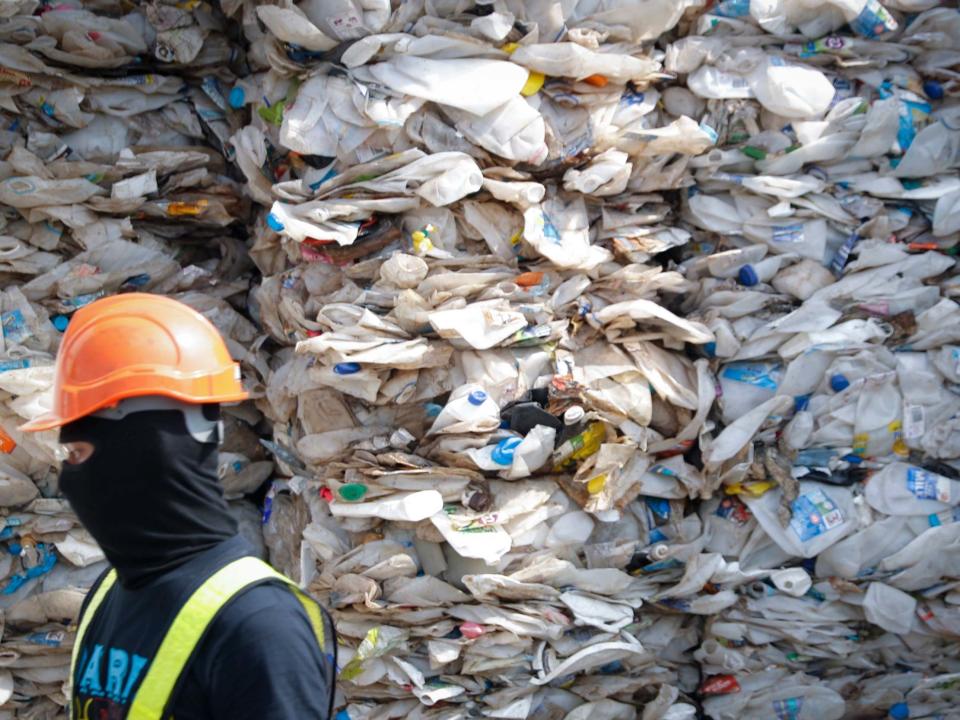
(605, 354)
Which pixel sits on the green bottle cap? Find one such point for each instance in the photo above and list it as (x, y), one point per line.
(351, 492)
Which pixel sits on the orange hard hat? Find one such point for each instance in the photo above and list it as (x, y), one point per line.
(134, 345)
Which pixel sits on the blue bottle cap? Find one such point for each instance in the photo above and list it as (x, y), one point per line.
(711, 349)
(900, 711)
(933, 89)
(237, 96)
(748, 276)
(274, 222)
(801, 402)
(503, 453)
(477, 397)
(347, 368)
(60, 322)
(839, 383)
(342, 715)
(433, 409)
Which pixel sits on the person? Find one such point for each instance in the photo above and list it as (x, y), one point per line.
(187, 623)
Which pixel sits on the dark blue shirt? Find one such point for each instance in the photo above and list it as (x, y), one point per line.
(259, 659)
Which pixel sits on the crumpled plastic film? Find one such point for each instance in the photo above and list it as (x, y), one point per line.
(603, 353)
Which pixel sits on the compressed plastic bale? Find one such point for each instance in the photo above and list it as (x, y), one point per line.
(597, 241)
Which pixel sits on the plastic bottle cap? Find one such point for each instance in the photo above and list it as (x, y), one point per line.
(347, 368)
(933, 89)
(237, 97)
(529, 279)
(748, 276)
(573, 415)
(274, 222)
(900, 711)
(477, 397)
(60, 322)
(503, 453)
(533, 84)
(351, 492)
(838, 383)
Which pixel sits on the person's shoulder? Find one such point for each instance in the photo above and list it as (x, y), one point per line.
(261, 626)
(269, 603)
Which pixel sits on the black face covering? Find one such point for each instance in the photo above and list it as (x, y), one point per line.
(149, 494)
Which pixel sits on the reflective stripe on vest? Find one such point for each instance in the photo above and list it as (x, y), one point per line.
(188, 628)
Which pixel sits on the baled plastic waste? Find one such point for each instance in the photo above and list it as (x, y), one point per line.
(603, 355)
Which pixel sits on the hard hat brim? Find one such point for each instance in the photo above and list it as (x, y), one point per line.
(51, 420)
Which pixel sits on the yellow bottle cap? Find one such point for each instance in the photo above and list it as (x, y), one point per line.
(533, 84)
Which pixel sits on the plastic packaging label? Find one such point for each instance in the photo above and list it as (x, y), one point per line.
(755, 374)
(914, 113)
(788, 709)
(732, 8)
(80, 300)
(873, 20)
(15, 328)
(734, 510)
(814, 513)
(54, 638)
(788, 233)
(13, 365)
(913, 422)
(928, 486)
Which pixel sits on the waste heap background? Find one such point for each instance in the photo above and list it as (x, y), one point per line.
(727, 231)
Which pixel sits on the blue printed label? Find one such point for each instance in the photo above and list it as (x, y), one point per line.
(814, 513)
(54, 638)
(947, 516)
(788, 709)
(873, 20)
(756, 374)
(15, 328)
(912, 115)
(13, 365)
(839, 260)
(792, 233)
(927, 485)
(80, 300)
(843, 89)
(732, 8)
(550, 230)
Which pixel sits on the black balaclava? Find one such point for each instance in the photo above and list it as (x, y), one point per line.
(149, 493)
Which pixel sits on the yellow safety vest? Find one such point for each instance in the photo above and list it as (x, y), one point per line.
(188, 627)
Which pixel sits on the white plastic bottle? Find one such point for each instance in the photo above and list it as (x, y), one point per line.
(752, 274)
(747, 384)
(862, 551)
(792, 581)
(469, 409)
(282, 220)
(903, 489)
(408, 507)
(889, 608)
(727, 264)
